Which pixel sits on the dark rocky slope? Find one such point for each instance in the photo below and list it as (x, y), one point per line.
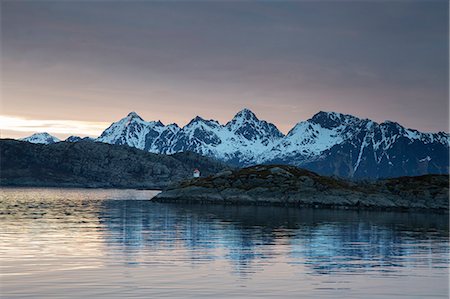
(288, 185)
(94, 164)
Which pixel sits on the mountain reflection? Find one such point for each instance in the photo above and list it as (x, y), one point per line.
(325, 241)
(118, 244)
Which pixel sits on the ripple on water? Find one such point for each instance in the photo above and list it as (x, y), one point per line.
(117, 243)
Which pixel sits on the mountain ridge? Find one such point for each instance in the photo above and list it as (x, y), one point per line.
(329, 143)
(96, 165)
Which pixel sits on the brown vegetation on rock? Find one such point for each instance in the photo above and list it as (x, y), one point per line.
(289, 185)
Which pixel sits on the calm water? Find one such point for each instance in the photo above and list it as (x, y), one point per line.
(78, 243)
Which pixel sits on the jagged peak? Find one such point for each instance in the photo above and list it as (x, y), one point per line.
(200, 119)
(241, 118)
(159, 123)
(333, 115)
(247, 124)
(390, 122)
(246, 114)
(173, 125)
(133, 115)
(329, 119)
(395, 127)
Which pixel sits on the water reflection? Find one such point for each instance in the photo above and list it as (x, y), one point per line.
(324, 240)
(299, 250)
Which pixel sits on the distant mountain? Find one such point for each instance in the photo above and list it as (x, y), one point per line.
(95, 164)
(132, 130)
(343, 145)
(78, 138)
(239, 141)
(329, 143)
(42, 138)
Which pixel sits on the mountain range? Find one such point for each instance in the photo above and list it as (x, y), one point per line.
(329, 143)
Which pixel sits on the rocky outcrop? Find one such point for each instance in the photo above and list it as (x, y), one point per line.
(288, 185)
(96, 165)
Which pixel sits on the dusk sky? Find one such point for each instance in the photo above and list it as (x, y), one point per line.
(73, 67)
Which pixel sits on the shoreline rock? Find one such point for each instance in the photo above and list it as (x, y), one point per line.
(283, 185)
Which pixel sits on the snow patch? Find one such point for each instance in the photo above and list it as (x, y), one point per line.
(427, 158)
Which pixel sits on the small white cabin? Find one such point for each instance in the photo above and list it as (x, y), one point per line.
(196, 173)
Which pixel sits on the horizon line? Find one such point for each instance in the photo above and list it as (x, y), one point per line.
(17, 125)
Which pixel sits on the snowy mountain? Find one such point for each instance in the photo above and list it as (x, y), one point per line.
(132, 130)
(343, 145)
(238, 141)
(329, 143)
(43, 138)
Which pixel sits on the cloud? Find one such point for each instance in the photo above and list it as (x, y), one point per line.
(174, 60)
(59, 127)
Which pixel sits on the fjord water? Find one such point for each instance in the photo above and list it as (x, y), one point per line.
(82, 243)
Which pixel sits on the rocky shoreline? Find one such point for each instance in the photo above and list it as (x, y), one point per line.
(282, 185)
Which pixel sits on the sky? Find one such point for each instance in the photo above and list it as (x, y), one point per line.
(73, 67)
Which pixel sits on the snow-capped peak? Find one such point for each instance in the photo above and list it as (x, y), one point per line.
(329, 142)
(245, 114)
(42, 138)
(133, 115)
(333, 119)
(198, 119)
(246, 124)
(133, 131)
(247, 140)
